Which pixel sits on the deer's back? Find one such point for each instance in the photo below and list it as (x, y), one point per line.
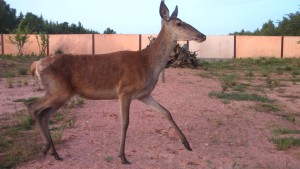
(98, 76)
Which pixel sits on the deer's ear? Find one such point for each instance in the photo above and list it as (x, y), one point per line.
(164, 11)
(175, 12)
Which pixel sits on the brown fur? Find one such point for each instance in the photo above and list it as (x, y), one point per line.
(124, 75)
(33, 68)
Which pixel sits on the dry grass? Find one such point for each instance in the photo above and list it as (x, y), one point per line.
(251, 80)
(20, 140)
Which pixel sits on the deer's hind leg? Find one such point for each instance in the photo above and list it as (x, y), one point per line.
(41, 110)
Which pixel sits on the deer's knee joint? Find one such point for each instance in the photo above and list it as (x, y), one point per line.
(31, 110)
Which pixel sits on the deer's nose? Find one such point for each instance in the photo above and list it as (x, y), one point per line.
(203, 37)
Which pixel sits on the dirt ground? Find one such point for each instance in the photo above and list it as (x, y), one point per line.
(222, 136)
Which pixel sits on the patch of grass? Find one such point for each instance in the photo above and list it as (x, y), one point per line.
(279, 70)
(8, 74)
(265, 73)
(58, 116)
(19, 141)
(11, 66)
(271, 83)
(285, 143)
(75, 102)
(295, 72)
(19, 82)
(25, 82)
(290, 117)
(225, 101)
(239, 96)
(269, 108)
(240, 88)
(249, 74)
(109, 159)
(22, 71)
(279, 131)
(288, 68)
(26, 122)
(219, 122)
(228, 81)
(192, 163)
(10, 82)
(27, 101)
(57, 134)
(206, 75)
(19, 151)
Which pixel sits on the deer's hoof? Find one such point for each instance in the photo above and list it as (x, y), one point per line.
(124, 160)
(46, 149)
(58, 158)
(187, 146)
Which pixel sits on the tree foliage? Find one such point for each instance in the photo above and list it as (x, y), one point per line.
(8, 19)
(42, 40)
(19, 38)
(36, 24)
(109, 31)
(288, 26)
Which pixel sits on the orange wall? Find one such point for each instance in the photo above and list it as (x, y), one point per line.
(107, 43)
(213, 47)
(258, 46)
(291, 47)
(31, 47)
(71, 44)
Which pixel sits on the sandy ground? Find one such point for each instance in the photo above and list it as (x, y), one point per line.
(222, 136)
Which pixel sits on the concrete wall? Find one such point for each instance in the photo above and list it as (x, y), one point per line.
(258, 46)
(71, 44)
(214, 47)
(291, 46)
(31, 47)
(107, 43)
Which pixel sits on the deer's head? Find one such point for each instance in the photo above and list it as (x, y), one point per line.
(179, 29)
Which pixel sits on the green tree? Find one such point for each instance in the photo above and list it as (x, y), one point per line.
(8, 19)
(19, 38)
(42, 40)
(33, 22)
(288, 26)
(109, 31)
(268, 29)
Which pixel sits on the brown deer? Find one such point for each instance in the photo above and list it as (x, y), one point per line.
(124, 75)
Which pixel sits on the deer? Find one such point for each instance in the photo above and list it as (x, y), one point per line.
(122, 76)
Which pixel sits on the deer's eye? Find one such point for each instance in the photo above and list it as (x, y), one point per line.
(178, 24)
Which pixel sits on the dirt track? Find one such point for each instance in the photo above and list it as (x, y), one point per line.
(221, 135)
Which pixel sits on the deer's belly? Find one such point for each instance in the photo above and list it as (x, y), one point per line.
(99, 94)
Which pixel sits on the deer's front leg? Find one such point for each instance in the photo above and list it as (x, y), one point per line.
(124, 108)
(151, 102)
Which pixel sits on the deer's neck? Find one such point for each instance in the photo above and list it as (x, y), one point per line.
(160, 50)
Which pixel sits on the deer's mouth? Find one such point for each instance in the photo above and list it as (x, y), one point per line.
(200, 38)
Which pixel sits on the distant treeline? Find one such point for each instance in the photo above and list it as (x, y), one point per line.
(288, 26)
(9, 21)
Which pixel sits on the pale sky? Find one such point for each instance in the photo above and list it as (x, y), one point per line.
(211, 17)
